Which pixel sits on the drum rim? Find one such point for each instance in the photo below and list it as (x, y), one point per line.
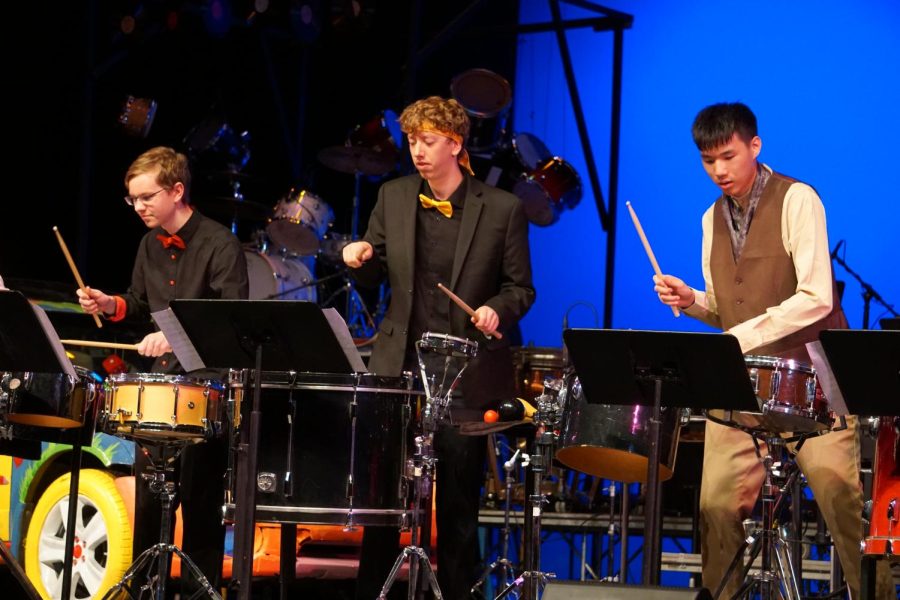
(504, 84)
(166, 378)
(470, 345)
(760, 360)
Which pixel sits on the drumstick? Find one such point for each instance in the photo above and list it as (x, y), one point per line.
(65, 249)
(468, 309)
(650, 255)
(91, 344)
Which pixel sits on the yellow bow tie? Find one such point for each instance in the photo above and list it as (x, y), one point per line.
(443, 206)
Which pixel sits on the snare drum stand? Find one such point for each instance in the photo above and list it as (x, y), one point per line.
(767, 539)
(162, 457)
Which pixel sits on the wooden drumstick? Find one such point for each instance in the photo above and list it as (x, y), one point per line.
(65, 249)
(650, 255)
(92, 344)
(468, 309)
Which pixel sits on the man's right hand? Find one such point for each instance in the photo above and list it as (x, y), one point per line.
(94, 301)
(673, 291)
(356, 253)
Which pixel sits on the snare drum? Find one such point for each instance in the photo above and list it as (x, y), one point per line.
(789, 395)
(299, 222)
(448, 345)
(884, 528)
(154, 407)
(335, 448)
(485, 96)
(613, 441)
(533, 367)
(280, 277)
(549, 189)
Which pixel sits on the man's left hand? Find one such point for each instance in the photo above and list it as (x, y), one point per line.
(486, 319)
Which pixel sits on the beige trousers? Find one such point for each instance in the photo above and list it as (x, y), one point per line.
(732, 479)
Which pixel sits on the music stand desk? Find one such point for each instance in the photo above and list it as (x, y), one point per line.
(866, 366)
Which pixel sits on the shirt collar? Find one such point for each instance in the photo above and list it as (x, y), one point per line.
(457, 198)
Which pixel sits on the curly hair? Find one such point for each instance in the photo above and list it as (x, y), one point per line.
(173, 167)
(448, 115)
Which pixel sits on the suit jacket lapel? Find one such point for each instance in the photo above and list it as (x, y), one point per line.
(406, 225)
(471, 214)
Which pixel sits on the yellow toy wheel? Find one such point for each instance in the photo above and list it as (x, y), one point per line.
(103, 536)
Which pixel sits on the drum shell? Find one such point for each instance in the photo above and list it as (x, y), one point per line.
(486, 97)
(52, 407)
(513, 161)
(381, 134)
(322, 408)
(548, 190)
(274, 277)
(299, 221)
(613, 441)
(885, 490)
(150, 406)
(534, 365)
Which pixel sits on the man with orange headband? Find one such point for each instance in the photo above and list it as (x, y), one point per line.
(444, 226)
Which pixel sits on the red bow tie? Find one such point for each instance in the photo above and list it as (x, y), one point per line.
(172, 240)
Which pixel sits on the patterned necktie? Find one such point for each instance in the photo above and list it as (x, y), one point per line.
(443, 206)
(172, 240)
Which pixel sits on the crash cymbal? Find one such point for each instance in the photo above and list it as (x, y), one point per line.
(353, 159)
(480, 428)
(234, 207)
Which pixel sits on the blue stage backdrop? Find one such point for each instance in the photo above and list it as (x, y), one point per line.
(822, 78)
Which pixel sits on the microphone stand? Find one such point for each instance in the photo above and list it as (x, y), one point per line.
(868, 292)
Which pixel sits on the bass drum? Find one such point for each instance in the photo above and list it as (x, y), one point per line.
(612, 441)
(280, 277)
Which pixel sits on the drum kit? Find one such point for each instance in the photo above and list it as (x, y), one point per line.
(520, 162)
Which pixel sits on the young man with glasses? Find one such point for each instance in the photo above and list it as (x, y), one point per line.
(184, 256)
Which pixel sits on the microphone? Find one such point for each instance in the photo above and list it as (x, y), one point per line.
(836, 248)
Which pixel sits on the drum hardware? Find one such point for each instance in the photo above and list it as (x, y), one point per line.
(502, 563)
(442, 359)
(152, 565)
(883, 539)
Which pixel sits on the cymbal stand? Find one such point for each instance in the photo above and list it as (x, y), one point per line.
(546, 419)
(503, 563)
(768, 540)
(354, 217)
(162, 458)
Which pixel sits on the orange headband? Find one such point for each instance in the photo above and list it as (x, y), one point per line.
(463, 158)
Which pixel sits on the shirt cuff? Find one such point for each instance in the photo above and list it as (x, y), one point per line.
(119, 314)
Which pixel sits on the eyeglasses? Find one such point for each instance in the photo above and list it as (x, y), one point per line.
(144, 198)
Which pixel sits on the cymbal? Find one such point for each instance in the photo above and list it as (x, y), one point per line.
(234, 207)
(353, 159)
(480, 428)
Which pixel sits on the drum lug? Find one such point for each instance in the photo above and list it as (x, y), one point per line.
(122, 413)
(776, 385)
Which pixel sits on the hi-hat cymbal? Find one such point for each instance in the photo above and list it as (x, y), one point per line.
(353, 159)
(234, 207)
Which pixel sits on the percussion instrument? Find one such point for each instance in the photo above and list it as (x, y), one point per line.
(335, 447)
(214, 141)
(547, 190)
(53, 400)
(486, 97)
(884, 528)
(137, 116)
(533, 366)
(158, 408)
(381, 134)
(789, 396)
(514, 161)
(299, 222)
(613, 441)
(280, 277)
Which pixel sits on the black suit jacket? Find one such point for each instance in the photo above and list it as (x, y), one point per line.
(491, 266)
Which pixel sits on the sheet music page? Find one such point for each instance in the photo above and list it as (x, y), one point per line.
(826, 379)
(342, 333)
(184, 350)
(60, 352)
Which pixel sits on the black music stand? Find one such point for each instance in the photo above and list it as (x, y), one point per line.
(690, 370)
(28, 342)
(271, 335)
(866, 367)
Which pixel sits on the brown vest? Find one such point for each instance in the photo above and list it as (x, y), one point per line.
(764, 275)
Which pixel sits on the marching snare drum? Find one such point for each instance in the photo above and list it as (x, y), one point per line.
(154, 407)
(299, 222)
(789, 395)
(280, 277)
(335, 448)
(884, 528)
(613, 441)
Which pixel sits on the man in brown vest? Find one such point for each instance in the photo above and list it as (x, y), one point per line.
(767, 271)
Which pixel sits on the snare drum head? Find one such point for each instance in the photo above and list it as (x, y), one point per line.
(299, 222)
(278, 278)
